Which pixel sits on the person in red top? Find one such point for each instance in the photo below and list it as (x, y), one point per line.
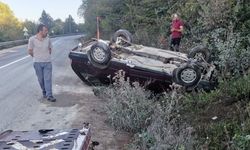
(176, 33)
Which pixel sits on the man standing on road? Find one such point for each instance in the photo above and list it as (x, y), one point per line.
(39, 47)
(176, 32)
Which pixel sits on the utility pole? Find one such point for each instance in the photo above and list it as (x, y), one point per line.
(97, 28)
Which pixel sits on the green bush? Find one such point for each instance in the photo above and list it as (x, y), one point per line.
(232, 129)
(229, 52)
(224, 135)
(241, 141)
(129, 107)
(155, 120)
(219, 136)
(167, 130)
(235, 89)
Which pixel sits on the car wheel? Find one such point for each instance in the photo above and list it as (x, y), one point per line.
(123, 37)
(99, 55)
(199, 53)
(188, 75)
(174, 76)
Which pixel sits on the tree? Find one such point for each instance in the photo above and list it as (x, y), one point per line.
(58, 27)
(81, 28)
(149, 19)
(10, 27)
(109, 12)
(46, 19)
(69, 25)
(31, 26)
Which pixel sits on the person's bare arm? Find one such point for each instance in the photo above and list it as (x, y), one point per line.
(30, 51)
(30, 47)
(178, 30)
(181, 29)
(50, 47)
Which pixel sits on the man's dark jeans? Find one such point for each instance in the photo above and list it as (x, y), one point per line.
(174, 44)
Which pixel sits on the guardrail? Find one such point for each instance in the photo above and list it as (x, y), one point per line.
(10, 44)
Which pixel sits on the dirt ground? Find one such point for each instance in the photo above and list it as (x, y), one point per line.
(90, 109)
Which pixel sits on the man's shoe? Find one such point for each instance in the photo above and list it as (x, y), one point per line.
(51, 99)
(44, 96)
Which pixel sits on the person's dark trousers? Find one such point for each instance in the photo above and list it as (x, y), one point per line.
(44, 75)
(175, 44)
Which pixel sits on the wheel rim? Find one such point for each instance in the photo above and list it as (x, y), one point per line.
(99, 54)
(199, 55)
(188, 75)
(121, 39)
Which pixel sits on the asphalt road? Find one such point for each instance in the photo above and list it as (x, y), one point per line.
(21, 103)
(22, 107)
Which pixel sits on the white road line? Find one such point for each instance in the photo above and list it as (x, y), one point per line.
(14, 62)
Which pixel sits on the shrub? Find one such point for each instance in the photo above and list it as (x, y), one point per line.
(230, 52)
(234, 90)
(129, 107)
(166, 131)
(230, 102)
(241, 141)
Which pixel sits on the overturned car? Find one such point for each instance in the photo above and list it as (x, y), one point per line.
(98, 61)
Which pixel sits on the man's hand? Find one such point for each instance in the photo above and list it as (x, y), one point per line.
(172, 29)
(178, 30)
(30, 51)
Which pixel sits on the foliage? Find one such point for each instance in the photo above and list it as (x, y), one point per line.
(129, 107)
(70, 26)
(31, 26)
(229, 104)
(219, 136)
(46, 19)
(231, 52)
(156, 121)
(58, 27)
(149, 20)
(242, 141)
(10, 27)
(176, 121)
(235, 89)
(166, 130)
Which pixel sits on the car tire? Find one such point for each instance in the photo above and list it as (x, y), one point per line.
(199, 51)
(174, 76)
(188, 75)
(125, 34)
(99, 55)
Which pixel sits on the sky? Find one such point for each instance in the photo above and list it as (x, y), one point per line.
(32, 9)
